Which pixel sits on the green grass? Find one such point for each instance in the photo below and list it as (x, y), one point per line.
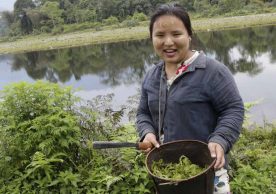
(107, 34)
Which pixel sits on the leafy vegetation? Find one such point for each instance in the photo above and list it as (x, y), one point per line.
(40, 16)
(253, 161)
(46, 136)
(46, 144)
(184, 169)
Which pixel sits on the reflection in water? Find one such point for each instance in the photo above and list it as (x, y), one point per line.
(247, 43)
(115, 63)
(125, 63)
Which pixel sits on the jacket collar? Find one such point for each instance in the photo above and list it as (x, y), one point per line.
(199, 62)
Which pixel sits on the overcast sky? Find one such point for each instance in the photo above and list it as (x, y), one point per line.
(6, 5)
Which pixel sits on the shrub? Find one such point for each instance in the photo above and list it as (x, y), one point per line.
(46, 144)
(253, 161)
(14, 29)
(130, 23)
(111, 20)
(39, 134)
(139, 17)
(45, 29)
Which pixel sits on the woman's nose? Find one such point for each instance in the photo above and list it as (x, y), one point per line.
(168, 40)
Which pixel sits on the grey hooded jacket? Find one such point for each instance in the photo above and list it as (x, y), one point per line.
(202, 104)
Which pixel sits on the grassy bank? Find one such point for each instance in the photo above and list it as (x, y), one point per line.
(86, 37)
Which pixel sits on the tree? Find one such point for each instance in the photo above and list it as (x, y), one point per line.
(139, 16)
(37, 18)
(51, 9)
(189, 5)
(39, 3)
(229, 5)
(202, 6)
(21, 6)
(26, 24)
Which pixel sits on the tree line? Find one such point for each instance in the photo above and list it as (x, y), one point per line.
(56, 16)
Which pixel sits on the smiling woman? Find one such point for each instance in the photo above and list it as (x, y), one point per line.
(171, 41)
(188, 95)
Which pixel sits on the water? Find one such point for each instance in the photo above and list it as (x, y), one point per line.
(118, 68)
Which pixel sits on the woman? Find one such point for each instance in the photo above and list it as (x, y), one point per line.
(188, 95)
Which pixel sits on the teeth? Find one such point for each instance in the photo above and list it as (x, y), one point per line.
(169, 51)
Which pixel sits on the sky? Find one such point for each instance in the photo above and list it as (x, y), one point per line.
(6, 5)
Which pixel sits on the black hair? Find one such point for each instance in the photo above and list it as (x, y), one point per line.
(173, 9)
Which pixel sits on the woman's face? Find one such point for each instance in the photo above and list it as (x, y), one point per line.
(170, 39)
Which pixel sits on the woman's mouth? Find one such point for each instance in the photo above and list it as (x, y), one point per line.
(169, 52)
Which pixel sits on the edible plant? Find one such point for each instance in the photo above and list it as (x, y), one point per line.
(184, 169)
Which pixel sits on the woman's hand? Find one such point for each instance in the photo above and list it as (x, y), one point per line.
(150, 137)
(217, 152)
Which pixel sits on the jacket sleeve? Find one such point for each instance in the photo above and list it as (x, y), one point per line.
(144, 123)
(230, 109)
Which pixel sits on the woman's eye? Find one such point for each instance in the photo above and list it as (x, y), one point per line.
(177, 34)
(159, 35)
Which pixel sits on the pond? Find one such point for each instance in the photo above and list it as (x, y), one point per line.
(119, 68)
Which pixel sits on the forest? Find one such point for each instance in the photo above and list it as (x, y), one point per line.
(59, 16)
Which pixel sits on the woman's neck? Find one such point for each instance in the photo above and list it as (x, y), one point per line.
(171, 68)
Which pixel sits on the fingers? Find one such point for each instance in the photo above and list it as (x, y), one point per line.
(220, 159)
(150, 137)
(217, 152)
(212, 149)
(156, 144)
